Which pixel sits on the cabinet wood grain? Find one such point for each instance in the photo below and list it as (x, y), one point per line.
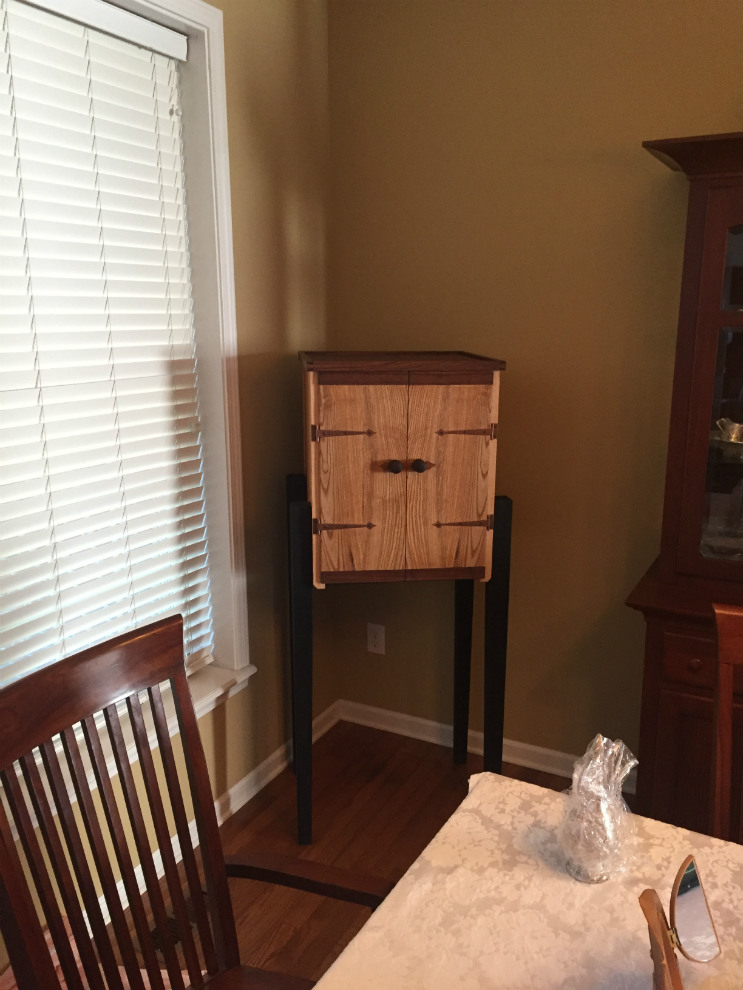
(400, 453)
(449, 504)
(361, 503)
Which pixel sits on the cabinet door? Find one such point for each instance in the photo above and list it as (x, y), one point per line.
(710, 520)
(683, 762)
(360, 523)
(451, 429)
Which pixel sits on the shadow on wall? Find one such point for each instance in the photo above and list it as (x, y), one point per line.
(597, 674)
(276, 79)
(271, 449)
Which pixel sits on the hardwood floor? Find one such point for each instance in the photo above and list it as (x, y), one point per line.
(379, 799)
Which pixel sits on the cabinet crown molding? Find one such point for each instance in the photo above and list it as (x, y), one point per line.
(705, 155)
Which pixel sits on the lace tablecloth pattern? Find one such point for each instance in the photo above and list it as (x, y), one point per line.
(489, 906)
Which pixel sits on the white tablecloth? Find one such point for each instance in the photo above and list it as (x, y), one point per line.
(489, 904)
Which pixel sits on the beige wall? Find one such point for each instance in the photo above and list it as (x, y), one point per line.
(481, 175)
(489, 191)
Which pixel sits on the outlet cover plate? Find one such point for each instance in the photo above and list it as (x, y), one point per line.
(374, 638)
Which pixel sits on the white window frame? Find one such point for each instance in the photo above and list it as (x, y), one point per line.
(204, 108)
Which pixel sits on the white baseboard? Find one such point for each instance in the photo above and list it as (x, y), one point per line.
(520, 753)
(241, 792)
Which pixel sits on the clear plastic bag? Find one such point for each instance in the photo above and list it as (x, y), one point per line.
(597, 828)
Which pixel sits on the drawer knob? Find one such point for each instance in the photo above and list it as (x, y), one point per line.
(695, 663)
(394, 467)
(418, 466)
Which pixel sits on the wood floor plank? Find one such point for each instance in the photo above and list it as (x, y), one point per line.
(379, 799)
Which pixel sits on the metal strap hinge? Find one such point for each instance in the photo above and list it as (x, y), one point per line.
(316, 433)
(320, 527)
(487, 523)
(486, 431)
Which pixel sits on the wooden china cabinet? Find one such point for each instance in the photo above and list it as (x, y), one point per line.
(701, 553)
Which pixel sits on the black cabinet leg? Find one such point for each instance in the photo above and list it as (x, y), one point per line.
(496, 636)
(300, 606)
(463, 598)
(296, 491)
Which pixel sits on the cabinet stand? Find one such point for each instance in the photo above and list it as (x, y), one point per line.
(299, 521)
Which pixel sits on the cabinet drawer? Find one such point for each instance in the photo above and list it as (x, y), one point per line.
(692, 660)
(689, 659)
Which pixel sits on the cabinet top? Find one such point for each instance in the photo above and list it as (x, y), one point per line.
(705, 155)
(376, 361)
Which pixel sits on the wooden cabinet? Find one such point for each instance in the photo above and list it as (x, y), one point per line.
(676, 729)
(701, 552)
(399, 485)
(400, 461)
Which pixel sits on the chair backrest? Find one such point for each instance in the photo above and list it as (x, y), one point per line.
(93, 790)
(729, 623)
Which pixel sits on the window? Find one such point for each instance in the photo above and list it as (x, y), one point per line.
(103, 502)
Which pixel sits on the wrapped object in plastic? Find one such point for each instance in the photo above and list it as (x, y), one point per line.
(597, 827)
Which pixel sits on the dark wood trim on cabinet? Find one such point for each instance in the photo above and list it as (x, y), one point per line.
(444, 573)
(708, 154)
(410, 574)
(359, 577)
(396, 361)
(374, 377)
(684, 597)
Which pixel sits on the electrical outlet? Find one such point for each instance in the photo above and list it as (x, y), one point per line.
(374, 638)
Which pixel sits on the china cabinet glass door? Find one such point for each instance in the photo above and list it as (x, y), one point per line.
(712, 504)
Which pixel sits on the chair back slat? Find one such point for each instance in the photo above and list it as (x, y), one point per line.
(38, 870)
(55, 852)
(96, 840)
(225, 934)
(162, 832)
(175, 792)
(96, 820)
(116, 831)
(19, 922)
(142, 844)
(79, 858)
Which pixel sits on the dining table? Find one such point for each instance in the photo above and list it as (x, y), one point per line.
(489, 904)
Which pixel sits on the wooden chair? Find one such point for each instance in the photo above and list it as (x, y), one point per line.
(93, 787)
(729, 623)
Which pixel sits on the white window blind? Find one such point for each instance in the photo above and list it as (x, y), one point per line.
(102, 519)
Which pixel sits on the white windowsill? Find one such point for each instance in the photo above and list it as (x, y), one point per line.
(212, 686)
